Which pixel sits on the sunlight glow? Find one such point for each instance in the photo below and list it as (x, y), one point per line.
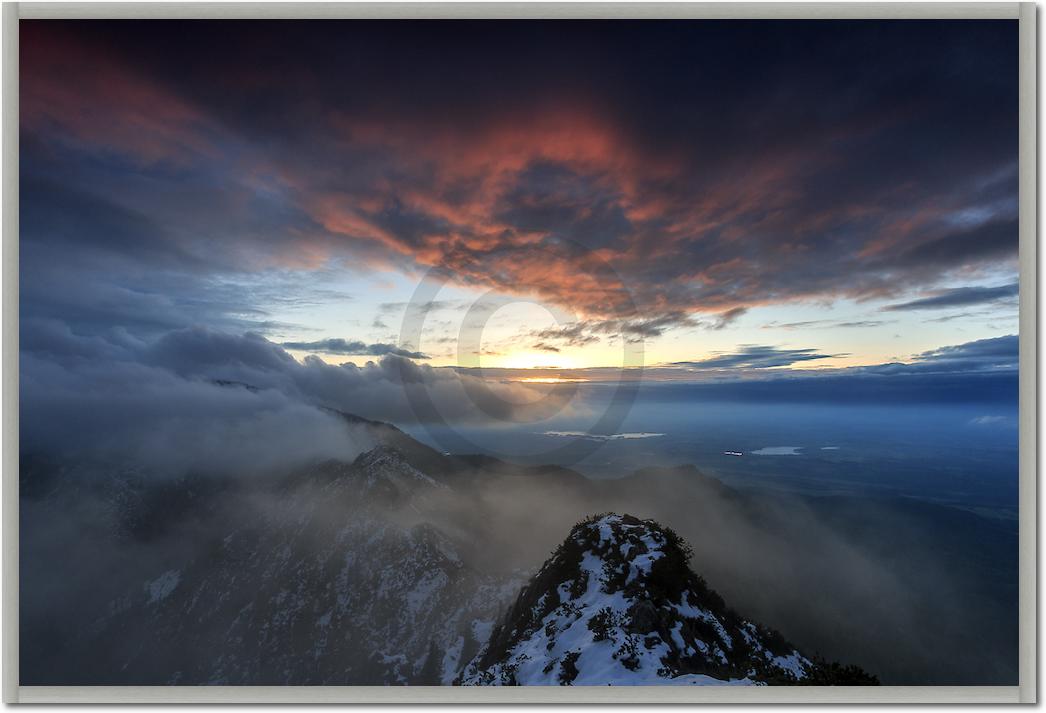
(537, 360)
(550, 380)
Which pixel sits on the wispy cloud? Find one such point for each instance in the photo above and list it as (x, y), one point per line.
(998, 354)
(352, 348)
(756, 357)
(959, 297)
(827, 324)
(988, 421)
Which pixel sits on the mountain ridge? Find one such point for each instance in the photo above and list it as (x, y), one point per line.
(617, 604)
(498, 519)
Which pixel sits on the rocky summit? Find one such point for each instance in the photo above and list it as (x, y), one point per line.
(617, 604)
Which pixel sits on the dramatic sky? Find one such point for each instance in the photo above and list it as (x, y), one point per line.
(725, 195)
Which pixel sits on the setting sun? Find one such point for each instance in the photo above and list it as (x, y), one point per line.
(551, 380)
(536, 360)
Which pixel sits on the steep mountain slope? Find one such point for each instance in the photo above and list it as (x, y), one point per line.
(461, 470)
(617, 604)
(326, 582)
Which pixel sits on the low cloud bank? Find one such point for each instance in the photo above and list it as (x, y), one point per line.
(198, 399)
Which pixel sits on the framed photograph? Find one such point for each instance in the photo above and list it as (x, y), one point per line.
(519, 352)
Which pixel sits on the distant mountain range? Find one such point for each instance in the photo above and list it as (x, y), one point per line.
(405, 566)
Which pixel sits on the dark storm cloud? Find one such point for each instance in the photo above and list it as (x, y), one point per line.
(756, 357)
(960, 297)
(100, 258)
(352, 348)
(993, 240)
(852, 160)
(54, 214)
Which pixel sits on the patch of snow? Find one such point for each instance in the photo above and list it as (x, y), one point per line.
(481, 630)
(795, 663)
(424, 591)
(161, 587)
(452, 660)
(563, 636)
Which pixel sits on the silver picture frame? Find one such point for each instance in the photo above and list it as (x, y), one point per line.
(1027, 689)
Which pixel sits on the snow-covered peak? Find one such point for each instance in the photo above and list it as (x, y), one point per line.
(387, 458)
(617, 604)
(385, 468)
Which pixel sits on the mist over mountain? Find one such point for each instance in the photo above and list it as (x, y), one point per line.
(404, 564)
